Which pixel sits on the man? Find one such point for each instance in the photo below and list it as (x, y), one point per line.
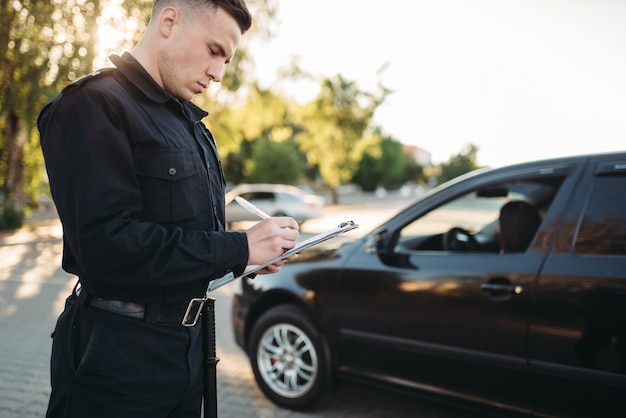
(139, 189)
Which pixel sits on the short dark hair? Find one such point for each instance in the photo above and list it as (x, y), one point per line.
(519, 221)
(236, 8)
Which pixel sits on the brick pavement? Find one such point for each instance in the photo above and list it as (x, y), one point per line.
(32, 291)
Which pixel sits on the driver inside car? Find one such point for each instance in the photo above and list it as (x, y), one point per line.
(517, 226)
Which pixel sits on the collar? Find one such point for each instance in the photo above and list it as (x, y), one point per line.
(136, 74)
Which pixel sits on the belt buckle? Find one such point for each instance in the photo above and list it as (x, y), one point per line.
(194, 309)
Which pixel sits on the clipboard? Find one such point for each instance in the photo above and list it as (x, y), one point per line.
(303, 245)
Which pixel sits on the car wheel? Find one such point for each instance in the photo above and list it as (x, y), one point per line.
(289, 358)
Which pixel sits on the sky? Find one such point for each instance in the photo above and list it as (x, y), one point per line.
(520, 79)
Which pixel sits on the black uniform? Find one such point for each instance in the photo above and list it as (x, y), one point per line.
(139, 188)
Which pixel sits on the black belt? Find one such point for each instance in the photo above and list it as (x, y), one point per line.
(179, 313)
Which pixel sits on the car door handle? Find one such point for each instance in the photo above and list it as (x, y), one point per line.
(501, 288)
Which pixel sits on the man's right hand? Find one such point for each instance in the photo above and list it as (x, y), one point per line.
(269, 239)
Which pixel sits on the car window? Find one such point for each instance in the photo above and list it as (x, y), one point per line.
(286, 197)
(258, 196)
(470, 222)
(603, 226)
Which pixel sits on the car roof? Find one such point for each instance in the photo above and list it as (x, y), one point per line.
(540, 162)
(263, 187)
(266, 187)
(523, 166)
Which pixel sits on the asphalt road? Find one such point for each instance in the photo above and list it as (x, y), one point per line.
(32, 291)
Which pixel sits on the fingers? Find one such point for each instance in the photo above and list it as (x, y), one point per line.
(291, 257)
(271, 269)
(270, 238)
(286, 222)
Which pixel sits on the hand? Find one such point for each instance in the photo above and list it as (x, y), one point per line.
(274, 268)
(269, 239)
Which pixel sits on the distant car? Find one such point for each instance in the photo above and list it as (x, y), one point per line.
(275, 200)
(504, 289)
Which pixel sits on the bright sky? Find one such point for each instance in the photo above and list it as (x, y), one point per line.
(521, 79)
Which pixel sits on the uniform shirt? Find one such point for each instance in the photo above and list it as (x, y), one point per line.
(139, 188)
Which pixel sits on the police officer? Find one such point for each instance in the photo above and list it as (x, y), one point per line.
(138, 185)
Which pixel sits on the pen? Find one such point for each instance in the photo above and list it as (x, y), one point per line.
(251, 208)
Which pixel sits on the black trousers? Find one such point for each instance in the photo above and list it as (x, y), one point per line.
(108, 365)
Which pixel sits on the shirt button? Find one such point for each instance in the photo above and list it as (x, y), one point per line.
(172, 171)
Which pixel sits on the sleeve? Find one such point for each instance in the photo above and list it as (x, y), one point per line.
(89, 161)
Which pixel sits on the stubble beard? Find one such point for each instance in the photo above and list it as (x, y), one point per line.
(170, 78)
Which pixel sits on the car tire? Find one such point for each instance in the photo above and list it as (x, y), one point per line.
(289, 358)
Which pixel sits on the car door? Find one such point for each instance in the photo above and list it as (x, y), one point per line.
(577, 345)
(449, 322)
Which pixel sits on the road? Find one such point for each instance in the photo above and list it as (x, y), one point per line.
(33, 288)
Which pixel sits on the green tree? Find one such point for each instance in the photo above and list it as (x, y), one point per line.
(262, 116)
(274, 162)
(43, 44)
(386, 164)
(336, 126)
(459, 164)
(413, 172)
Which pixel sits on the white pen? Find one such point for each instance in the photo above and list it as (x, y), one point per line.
(251, 208)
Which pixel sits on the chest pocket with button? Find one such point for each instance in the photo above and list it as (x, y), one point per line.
(171, 185)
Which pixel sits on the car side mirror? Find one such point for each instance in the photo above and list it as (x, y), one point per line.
(377, 241)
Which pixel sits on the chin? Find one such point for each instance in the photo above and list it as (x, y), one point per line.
(187, 96)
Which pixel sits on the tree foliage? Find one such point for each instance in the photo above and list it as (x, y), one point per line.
(385, 164)
(262, 116)
(336, 126)
(274, 162)
(43, 44)
(461, 163)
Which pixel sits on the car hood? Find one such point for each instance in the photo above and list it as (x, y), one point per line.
(324, 251)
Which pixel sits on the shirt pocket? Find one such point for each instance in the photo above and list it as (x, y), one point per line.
(170, 183)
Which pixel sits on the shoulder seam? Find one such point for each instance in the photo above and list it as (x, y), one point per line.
(86, 78)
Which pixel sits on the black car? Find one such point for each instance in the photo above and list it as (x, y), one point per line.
(504, 289)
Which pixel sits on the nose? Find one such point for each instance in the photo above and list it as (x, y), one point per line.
(215, 72)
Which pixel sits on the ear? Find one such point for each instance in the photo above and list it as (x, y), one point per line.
(168, 18)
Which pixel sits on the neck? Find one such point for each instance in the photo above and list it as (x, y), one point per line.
(144, 53)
